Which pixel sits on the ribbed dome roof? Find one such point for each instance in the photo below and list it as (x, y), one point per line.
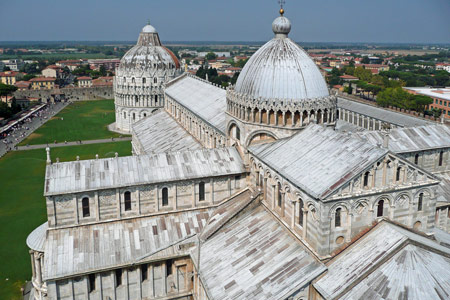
(281, 69)
(149, 53)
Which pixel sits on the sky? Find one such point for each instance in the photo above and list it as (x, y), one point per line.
(377, 21)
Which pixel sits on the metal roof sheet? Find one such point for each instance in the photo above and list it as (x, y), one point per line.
(160, 133)
(78, 176)
(281, 69)
(254, 257)
(90, 248)
(381, 114)
(403, 140)
(200, 97)
(326, 158)
(36, 239)
(368, 256)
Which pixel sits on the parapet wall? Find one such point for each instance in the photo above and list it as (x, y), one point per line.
(88, 93)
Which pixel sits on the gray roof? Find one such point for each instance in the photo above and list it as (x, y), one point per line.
(87, 175)
(254, 257)
(443, 190)
(36, 239)
(381, 114)
(389, 262)
(202, 98)
(327, 158)
(160, 133)
(403, 140)
(90, 248)
(281, 69)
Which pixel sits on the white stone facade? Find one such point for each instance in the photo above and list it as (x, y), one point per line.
(140, 79)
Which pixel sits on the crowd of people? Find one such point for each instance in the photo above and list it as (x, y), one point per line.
(15, 134)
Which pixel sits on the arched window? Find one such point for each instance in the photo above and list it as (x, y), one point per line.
(441, 158)
(134, 116)
(416, 159)
(118, 277)
(132, 80)
(124, 114)
(85, 207)
(156, 99)
(300, 212)
(238, 133)
(380, 208)
(127, 199)
(261, 179)
(144, 80)
(337, 217)
(397, 174)
(279, 195)
(165, 197)
(201, 191)
(420, 202)
(155, 80)
(366, 179)
(136, 99)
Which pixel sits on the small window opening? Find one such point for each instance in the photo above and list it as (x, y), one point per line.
(441, 158)
(85, 206)
(127, 198)
(91, 279)
(144, 80)
(397, 176)
(201, 191)
(380, 208)
(337, 218)
(169, 267)
(118, 277)
(420, 203)
(300, 212)
(366, 179)
(416, 159)
(165, 197)
(144, 272)
(279, 195)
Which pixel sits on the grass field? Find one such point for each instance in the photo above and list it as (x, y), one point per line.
(22, 205)
(84, 120)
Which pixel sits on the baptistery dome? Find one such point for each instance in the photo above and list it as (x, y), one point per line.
(281, 69)
(140, 78)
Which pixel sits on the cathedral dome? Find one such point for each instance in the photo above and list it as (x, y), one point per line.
(281, 69)
(149, 53)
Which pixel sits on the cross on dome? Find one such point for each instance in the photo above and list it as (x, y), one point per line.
(282, 3)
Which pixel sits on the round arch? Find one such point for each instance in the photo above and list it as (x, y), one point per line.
(260, 135)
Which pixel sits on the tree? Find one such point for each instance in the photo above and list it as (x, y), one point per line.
(363, 74)
(6, 90)
(422, 102)
(102, 70)
(365, 60)
(211, 56)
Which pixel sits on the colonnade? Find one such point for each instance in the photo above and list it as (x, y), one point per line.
(209, 136)
(363, 121)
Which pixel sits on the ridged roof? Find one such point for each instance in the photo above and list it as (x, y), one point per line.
(149, 53)
(281, 69)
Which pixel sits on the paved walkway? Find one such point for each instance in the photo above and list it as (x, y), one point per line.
(77, 143)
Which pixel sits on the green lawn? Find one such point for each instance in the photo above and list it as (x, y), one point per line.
(22, 205)
(84, 120)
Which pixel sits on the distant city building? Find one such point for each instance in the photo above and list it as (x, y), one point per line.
(203, 54)
(103, 81)
(14, 64)
(108, 64)
(443, 66)
(84, 81)
(42, 83)
(10, 77)
(22, 85)
(53, 71)
(440, 96)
